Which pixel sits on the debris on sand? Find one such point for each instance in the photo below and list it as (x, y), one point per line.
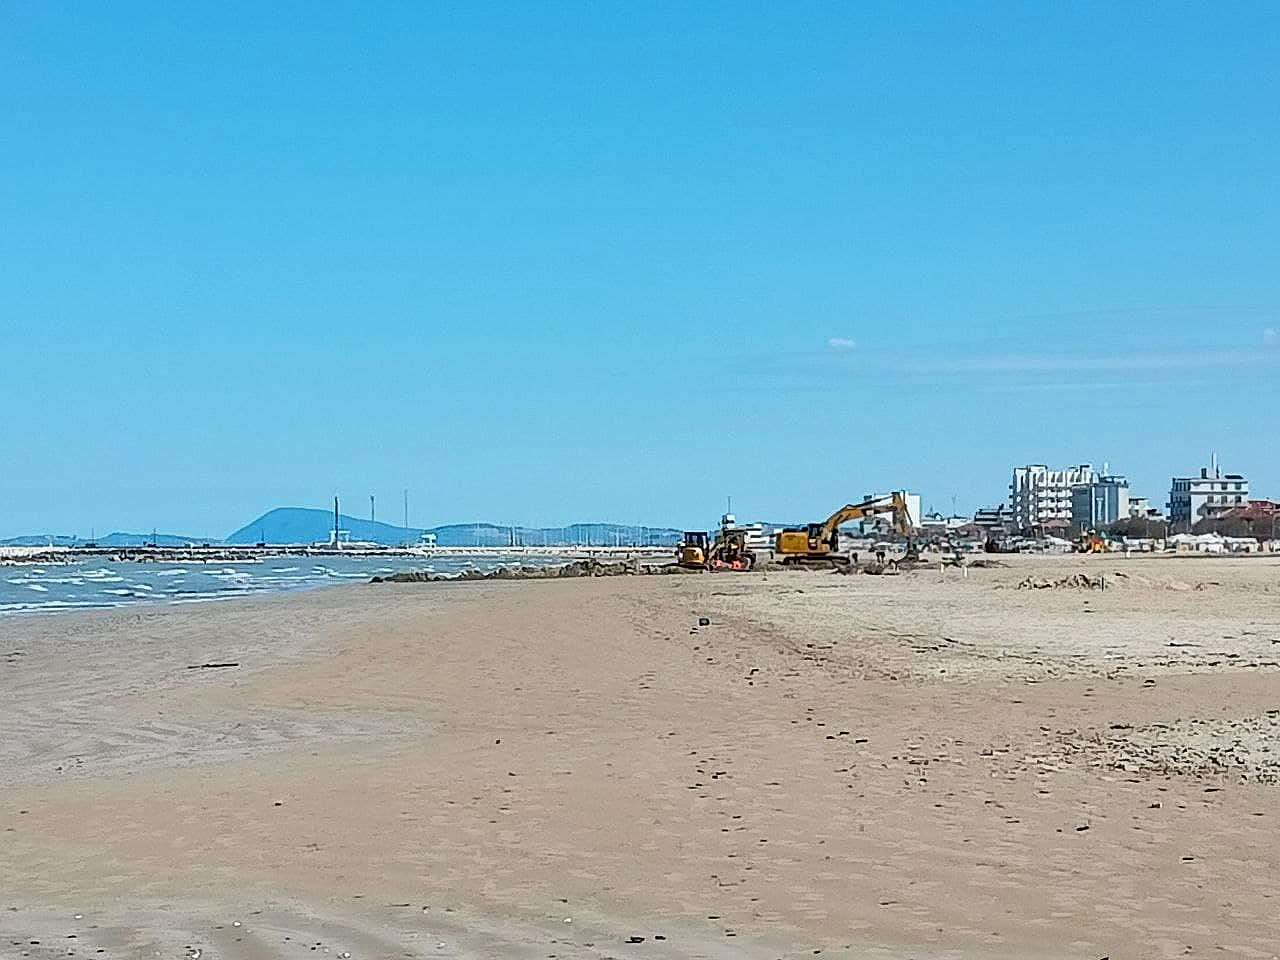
(879, 569)
(1076, 581)
(1242, 749)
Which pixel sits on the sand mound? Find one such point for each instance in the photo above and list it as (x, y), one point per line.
(1076, 581)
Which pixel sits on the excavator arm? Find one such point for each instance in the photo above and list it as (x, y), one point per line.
(894, 504)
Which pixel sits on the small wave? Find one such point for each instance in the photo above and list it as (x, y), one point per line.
(103, 576)
(179, 571)
(38, 587)
(53, 605)
(202, 598)
(284, 569)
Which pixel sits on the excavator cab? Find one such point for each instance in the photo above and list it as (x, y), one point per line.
(693, 550)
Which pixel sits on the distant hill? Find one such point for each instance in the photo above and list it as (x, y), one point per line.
(144, 539)
(37, 540)
(307, 525)
(302, 525)
(111, 540)
(285, 525)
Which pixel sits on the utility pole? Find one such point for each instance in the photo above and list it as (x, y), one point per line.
(371, 517)
(335, 521)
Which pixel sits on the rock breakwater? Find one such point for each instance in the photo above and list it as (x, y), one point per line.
(575, 568)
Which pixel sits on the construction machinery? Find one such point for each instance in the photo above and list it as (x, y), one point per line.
(819, 543)
(1090, 542)
(694, 550)
(729, 551)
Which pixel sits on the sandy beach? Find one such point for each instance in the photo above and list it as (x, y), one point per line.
(926, 765)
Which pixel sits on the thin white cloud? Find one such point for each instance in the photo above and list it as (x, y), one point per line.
(841, 343)
(1065, 363)
(1269, 335)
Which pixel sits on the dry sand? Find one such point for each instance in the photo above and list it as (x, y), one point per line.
(914, 766)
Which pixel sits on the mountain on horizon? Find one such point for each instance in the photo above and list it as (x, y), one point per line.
(36, 540)
(117, 539)
(300, 525)
(306, 525)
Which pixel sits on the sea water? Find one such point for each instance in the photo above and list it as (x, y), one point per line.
(94, 583)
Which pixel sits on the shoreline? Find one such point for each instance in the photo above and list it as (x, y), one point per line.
(13, 556)
(104, 582)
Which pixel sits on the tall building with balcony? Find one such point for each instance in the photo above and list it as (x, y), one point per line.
(1040, 498)
(1192, 499)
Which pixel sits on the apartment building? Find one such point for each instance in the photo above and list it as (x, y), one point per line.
(1192, 499)
(1040, 498)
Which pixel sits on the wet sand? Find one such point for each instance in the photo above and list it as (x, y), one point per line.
(914, 766)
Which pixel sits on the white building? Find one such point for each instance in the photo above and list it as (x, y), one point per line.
(935, 524)
(1040, 498)
(753, 533)
(1192, 499)
(1140, 509)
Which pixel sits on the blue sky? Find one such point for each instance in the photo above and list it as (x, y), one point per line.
(545, 263)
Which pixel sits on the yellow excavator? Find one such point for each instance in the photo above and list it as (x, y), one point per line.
(819, 543)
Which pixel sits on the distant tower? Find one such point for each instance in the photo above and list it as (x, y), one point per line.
(336, 525)
(371, 516)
